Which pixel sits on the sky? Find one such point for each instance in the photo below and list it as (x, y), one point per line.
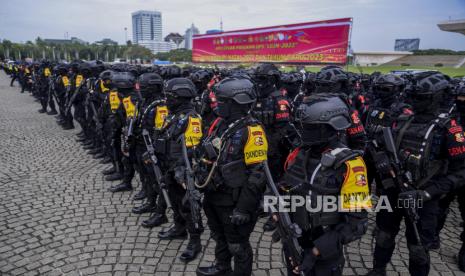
(376, 23)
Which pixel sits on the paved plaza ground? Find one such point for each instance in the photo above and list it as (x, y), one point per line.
(57, 218)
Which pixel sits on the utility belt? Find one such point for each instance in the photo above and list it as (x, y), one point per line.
(233, 174)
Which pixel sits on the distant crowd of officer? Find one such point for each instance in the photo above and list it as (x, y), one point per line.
(222, 139)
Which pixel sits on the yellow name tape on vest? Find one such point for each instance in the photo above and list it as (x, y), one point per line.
(78, 80)
(355, 193)
(193, 133)
(65, 80)
(47, 72)
(114, 100)
(161, 113)
(256, 148)
(129, 107)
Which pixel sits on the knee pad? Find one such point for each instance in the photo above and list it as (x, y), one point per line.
(418, 254)
(385, 239)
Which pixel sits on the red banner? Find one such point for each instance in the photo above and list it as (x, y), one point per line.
(312, 42)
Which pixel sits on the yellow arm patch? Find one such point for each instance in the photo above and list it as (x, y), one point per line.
(27, 71)
(78, 80)
(114, 101)
(129, 107)
(256, 148)
(193, 133)
(102, 87)
(161, 112)
(355, 194)
(65, 81)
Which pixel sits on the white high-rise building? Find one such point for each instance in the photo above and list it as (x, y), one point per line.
(189, 35)
(147, 31)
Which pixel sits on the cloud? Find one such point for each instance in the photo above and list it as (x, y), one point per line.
(376, 22)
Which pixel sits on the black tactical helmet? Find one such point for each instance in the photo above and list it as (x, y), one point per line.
(97, 67)
(174, 72)
(388, 85)
(180, 88)
(324, 109)
(106, 75)
(148, 80)
(85, 69)
(240, 90)
(331, 75)
(62, 69)
(267, 69)
(427, 91)
(309, 83)
(200, 79)
(122, 80)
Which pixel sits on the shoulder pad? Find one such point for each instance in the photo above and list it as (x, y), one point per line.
(336, 157)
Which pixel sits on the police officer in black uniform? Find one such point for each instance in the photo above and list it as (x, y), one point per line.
(323, 166)
(430, 149)
(272, 109)
(384, 110)
(152, 120)
(236, 146)
(459, 194)
(125, 122)
(183, 124)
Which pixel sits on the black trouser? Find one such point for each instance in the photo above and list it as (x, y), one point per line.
(115, 146)
(14, 77)
(43, 96)
(444, 204)
(181, 213)
(50, 100)
(80, 116)
(150, 185)
(61, 99)
(231, 240)
(388, 224)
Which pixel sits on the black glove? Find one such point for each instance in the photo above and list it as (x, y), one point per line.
(308, 261)
(239, 218)
(382, 163)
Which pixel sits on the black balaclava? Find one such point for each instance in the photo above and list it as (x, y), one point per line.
(230, 110)
(317, 136)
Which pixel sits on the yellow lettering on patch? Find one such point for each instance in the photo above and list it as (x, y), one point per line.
(355, 193)
(256, 148)
(161, 112)
(78, 80)
(129, 107)
(114, 101)
(65, 81)
(193, 133)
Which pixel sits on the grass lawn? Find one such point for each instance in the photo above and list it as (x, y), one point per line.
(452, 72)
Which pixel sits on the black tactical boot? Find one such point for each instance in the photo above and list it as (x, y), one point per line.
(109, 171)
(52, 112)
(105, 160)
(214, 270)
(123, 187)
(94, 151)
(461, 258)
(42, 110)
(193, 248)
(377, 271)
(99, 155)
(173, 233)
(114, 176)
(88, 146)
(68, 126)
(140, 195)
(155, 220)
(147, 207)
